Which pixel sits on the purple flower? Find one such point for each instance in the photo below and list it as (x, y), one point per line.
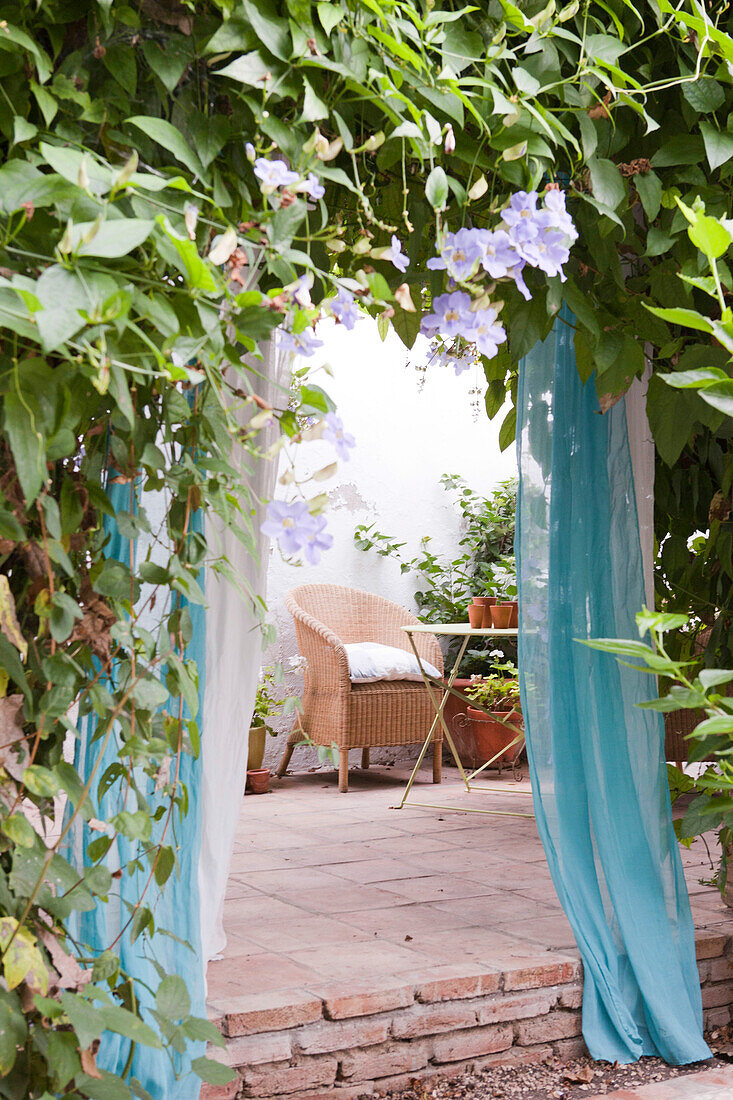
(462, 364)
(395, 254)
(519, 280)
(521, 217)
(548, 252)
(316, 540)
(556, 216)
(486, 334)
(344, 309)
(290, 524)
(274, 173)
(499, 255)
(311, 186)
(460, 254)
(452, 315)
(301, 343)
(333, 433)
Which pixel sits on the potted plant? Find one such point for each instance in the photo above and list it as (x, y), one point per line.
(504, 584)
(270, 702)
(481, 736)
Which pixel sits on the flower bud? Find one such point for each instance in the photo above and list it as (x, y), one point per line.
(450, 140)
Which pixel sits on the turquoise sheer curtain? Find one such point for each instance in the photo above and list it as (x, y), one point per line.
(597, 761)
(176, 906)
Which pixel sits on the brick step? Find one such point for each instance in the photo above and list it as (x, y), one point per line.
(343, 1041)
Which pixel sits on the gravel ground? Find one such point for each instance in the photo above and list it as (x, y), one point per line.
(557, 1080)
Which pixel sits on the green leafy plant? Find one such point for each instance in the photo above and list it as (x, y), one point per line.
(485, 565)
(497, 692)
(270, 699)
(690, 688)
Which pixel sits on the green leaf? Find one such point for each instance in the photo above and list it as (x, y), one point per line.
(608, 185)
(110, 239)
(27, 442)
(436, 188)
(314, 108)
(718, 145)
(135, 826)
(121, 62)
(406, 325)
(67, 162)
(197, 272)
(690, 318)
(11, 34)
(168, 64)
(165, 134)
(114, 579)
(710, 236)
(23, 130)
(202, 1031)
(330, 16)
(649, 188)
(213, 1073)
(164, 865)
(704, 94)
(85, 1018)
(18, 828)
(508, 429)
(712, 677)
(671, 419)
(686, 149)
(172, 998)
(271, 31)
(128, 1024)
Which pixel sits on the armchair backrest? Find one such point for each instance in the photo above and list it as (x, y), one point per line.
(357, 616)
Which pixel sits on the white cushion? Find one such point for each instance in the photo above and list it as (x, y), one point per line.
(370, 662)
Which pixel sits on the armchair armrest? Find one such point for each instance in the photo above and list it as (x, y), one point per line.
(327, 663)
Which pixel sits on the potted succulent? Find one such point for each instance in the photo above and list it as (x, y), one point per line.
(481, 736)
(269, 703)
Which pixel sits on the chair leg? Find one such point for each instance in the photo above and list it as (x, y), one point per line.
(437, 761)
(343, 770)
(365, 758)
(283, 767)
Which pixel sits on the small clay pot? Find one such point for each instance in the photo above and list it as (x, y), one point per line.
(476, 615)
(501, 616)
(515, 613)
(259, 780)
(485, 601)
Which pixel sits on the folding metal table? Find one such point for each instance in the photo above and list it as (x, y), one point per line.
(435, 687)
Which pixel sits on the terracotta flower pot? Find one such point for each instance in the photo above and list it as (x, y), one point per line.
(259, 780)
(476, 615)
(454, 705)
(479, 737)
(515, 613)
(501, 616)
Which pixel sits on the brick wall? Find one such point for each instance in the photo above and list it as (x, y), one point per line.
(347, 1042)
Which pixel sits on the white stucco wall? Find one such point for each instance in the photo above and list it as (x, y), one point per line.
(405, 440)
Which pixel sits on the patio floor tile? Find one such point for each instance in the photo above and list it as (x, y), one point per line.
(436, 888)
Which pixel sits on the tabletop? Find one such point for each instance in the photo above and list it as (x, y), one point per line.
(461, 630)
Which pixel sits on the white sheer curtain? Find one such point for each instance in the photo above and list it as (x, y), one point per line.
(233, 658)
(641, 445)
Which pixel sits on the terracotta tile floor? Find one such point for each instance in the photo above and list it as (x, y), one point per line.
(329, 886)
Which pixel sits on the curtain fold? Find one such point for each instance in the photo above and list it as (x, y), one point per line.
(233, 660)
(597, 762)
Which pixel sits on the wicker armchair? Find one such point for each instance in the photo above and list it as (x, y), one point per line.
(335, 711)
